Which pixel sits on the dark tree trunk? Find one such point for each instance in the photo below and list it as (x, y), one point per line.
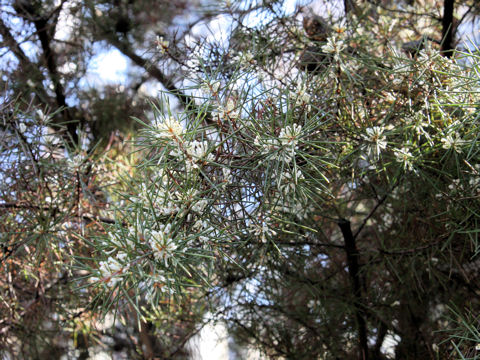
(354, 272)
(448, 28)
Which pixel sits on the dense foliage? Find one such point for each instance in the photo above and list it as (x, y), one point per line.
(317, 192)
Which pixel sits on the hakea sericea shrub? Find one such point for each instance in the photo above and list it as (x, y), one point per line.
(260, 161)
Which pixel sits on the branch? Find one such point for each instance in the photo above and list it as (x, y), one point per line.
(411, 251)
(25, 62)
(372, 212)
(311, 243)
(364, 222)
(56, 211)
(154, 71)
(401, 11)
(186, 100)
(41, 25)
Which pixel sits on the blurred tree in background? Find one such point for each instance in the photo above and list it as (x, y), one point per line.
(309, 178)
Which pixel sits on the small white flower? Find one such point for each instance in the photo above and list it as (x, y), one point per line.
(167, 209)
(75, 162)
(454, 185)
(275, 150)
(51, 139)
(41, 116)
(375, 136)
(162, 44)
(199, 225)
(333, 46)
(228, 111)
(263, 228)
(301, 211)
(197, 152)
(300, 95)
(199, 206)
(452, 142)
(169, 128)
(155, 284)
(289, 135)
(405, 157)
(247, 58)
(110, 270)
(197, 149)
(22, 127)
(161, 243)
(211, 87)
(227, 175)
(288, 182)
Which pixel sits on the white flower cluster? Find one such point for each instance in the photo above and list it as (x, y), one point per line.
(282, 148)
(262, 228)
(289, 135)
(159, 195)
(334, 46)
(74, 162)
(169, 128)
(162, 44)
(197, 150)
(227, 111)
(211, 88)
(288, 180)
(111, 270)
(301, 96)
(155, 284)
(227, 175)
(192, 154)
(204, 230)
(420, 125)
(405, 157)
(245, 59)
(452, 140)
(197, 153)
(378, 142)
(22, 127)
(161, 242)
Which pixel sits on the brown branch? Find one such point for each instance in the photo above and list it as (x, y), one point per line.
(370, 214)
(311, 243)
(56, 211)
(154, 71)
(411, 251)
(41, 25)
(27, 65)
(402, 11)
(375, 208)
(167, 82)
